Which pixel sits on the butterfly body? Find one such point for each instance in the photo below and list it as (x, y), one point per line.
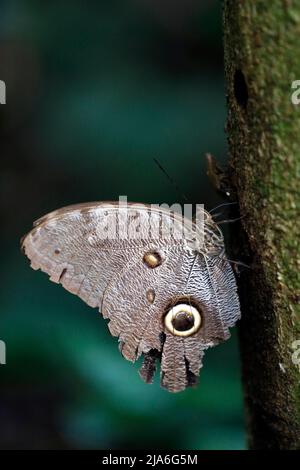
(166, 296)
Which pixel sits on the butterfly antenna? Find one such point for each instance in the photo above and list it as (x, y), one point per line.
(229, 221)
(222, 205)
(178, 189)
(235, 264)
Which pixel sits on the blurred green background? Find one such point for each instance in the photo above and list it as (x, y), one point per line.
(95, 91)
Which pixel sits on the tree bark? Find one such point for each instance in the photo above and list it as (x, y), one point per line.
(262, 59)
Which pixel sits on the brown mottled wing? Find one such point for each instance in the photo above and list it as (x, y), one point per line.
(183, 274)
(211, 283)
(69, 245)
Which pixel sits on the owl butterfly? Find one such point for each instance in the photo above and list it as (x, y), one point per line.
(167, 297)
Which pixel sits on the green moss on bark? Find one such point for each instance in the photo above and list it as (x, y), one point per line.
(262, 59)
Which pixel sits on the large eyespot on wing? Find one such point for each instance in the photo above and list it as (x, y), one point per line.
(133, 283)
(211, 284)
(139, 322)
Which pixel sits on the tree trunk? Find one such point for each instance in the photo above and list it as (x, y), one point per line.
(262, 59)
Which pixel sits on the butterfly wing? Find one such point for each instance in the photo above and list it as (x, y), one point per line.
(72, 246)
(77, 247)
(139, 324)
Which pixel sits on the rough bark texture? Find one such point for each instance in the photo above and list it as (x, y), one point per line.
(262, 58)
